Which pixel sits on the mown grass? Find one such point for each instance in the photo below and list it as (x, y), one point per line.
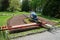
(3, 20)
(56, 20)
(3, 35)
(4, 16)
(28, 32)
(25, 33)
(49, 18)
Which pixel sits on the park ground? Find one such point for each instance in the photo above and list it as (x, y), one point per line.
(4, 16)
(41, 36)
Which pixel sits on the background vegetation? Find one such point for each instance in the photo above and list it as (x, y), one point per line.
(52, 8)
(49, 9)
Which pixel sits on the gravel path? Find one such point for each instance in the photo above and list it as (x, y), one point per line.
(42, 36)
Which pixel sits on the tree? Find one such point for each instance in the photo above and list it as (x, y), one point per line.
(14, 5)
(4, 5)
(0, 4)
(52, 8)
(37, 4)
(25, 5)
(34, 4)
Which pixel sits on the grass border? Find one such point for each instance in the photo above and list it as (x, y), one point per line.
(26, 33)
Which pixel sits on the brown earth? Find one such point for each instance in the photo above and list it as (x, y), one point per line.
(19, 19)
(16, 20)
(47, 21)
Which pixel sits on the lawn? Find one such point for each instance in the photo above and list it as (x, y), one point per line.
(49, 18)
(28, 32)
(56, 20)
(3, 20)
(4, 16)
(25, 33)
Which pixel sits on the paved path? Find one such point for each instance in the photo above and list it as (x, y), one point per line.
(18, 20)
(42, 36)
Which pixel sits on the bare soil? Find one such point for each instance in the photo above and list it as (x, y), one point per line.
(16, 20)
(19, 19)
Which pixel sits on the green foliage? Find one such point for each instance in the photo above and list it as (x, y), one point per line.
(29, 32)
(4, 5)
(3, 35)
(7, 15)
(14, 5)
(37, 4)
(25, 5)
(43, 2)
(0, 4)
(34, 4)
(52, 8)
(3, 20)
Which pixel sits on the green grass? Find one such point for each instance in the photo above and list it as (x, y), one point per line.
(3, 20)
(25, 33)
(3, 35)
(15, 13)
(57, 21)
(49, 18)
(4, 16)
(28, 31)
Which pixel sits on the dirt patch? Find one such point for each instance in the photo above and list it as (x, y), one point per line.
(46, 20)
(16, 20)
(19, 19)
